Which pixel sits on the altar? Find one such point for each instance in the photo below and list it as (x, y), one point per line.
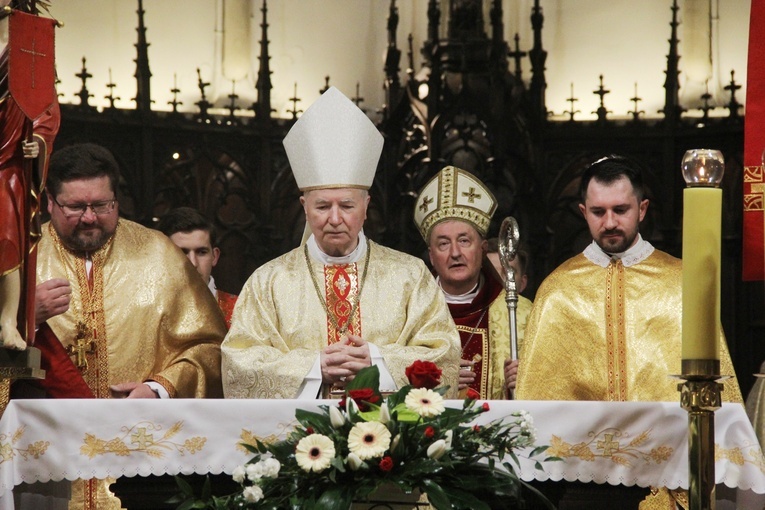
(630, 444)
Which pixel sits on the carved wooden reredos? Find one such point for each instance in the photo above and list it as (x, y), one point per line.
(475, 101)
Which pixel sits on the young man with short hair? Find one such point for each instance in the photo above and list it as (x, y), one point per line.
(195, 235)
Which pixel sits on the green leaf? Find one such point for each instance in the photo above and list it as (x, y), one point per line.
(185, 487)
(462, 499)
(368, 377)
(334, 498)
(436, 495)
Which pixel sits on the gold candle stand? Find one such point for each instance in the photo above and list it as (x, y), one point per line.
(700, 396)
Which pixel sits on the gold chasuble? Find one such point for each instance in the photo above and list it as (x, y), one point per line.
(611, 334)
(144, 314)
(280, 325)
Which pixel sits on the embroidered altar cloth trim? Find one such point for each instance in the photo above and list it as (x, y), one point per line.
(619, 443)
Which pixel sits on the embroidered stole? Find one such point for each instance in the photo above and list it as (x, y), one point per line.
(89, 349)
(616, 336)
(341, 291)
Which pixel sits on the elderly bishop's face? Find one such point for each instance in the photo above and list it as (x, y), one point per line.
(336, 217)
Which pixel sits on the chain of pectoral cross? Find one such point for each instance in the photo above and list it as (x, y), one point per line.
(85, 329)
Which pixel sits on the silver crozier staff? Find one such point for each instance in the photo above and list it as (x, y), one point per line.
(508, 247)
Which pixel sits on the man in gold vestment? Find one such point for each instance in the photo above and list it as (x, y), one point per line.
(453, 211)
(605, 325)
(309, 320)
(140, 323)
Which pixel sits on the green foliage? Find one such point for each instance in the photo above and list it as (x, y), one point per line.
(440, 453)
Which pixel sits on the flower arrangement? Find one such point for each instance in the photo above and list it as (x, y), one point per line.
(409, 439)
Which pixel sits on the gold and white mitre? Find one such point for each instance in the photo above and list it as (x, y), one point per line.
(333, 145)
(454, 194)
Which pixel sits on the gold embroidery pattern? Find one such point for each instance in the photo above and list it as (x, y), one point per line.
(753, 174)
(606, 444)
(91, 313)
(249, 437)
(9, 450)
(740, 455)
(341, 291)
(615, 334)
(140, 439)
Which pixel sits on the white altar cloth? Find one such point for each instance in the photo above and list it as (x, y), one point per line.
(627, 443)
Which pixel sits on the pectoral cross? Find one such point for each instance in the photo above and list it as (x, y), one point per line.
(82, 347)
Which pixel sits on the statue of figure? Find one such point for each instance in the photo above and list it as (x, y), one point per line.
(25, 143)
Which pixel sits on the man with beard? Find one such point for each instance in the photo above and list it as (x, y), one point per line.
(140, 322)
(606, 324)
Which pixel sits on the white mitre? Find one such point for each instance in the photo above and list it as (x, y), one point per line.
(333, 145)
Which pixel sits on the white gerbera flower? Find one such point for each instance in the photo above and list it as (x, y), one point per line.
(239, 474)
(252, 494)
(314, 453)
(427, 403)
(369, 439)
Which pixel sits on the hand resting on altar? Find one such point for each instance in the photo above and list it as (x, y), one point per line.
(342, 360)
(52, 298)
(133, 390)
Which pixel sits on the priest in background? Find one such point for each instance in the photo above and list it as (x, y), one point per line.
(453, 212)
(195, 235)
(308, 321)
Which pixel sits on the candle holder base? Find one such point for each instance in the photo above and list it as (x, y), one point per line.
(700, 396)
(699, 368)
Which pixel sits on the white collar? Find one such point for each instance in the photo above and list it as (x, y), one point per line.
(212, 287)
(636, 254)
(328, 260)
(461, 299)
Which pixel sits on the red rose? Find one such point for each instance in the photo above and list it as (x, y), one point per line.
(472, 394)
(386, 464)
(423, 374)
(309, 430)
(429, 432)
(485, 406)
(362, 396)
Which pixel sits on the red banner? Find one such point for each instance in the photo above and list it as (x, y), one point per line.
(31, 63)
(754, 148)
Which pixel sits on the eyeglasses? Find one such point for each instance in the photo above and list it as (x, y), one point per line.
(78, 210)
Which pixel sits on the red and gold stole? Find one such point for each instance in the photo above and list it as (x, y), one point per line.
(341, 291)
(754, 150)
